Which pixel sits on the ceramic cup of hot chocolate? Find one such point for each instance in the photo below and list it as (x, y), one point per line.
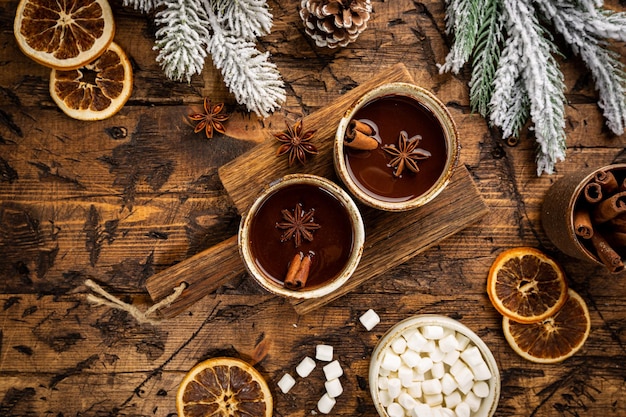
(396, 147)
(302, 237)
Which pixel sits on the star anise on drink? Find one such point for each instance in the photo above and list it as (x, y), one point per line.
(296, 143)
(298, 225)
(406, 154)
(211, 120)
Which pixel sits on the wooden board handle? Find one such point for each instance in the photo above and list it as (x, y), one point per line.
(203, 273)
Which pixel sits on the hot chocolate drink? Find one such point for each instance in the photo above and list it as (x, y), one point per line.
(306, 224)
(398, 121)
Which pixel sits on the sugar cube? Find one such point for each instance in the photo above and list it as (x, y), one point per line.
(305, 367)
(406, 401)
(326, 403)
(333, 370)
(481, 389)
(369, 319)
(286, 383)
(391, 361)
(432, 332)
(333, 388)
(395, 410)
(324, 353)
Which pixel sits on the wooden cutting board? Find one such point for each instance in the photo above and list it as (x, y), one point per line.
(391, 238)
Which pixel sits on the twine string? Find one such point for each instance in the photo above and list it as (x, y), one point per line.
(142, 317)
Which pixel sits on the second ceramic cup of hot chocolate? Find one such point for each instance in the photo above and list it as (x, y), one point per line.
(396, 147)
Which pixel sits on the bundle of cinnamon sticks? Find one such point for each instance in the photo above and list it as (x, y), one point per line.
(600, 218)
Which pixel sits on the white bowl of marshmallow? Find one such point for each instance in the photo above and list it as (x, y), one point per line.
(433, 366)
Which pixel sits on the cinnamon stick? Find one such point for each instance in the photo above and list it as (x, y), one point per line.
(593, 192)
(294, 266)
(616, 239)
(607, 181)
(299, 270)
(361, 142)
(606, 253)
(582, 224)
(609, 208)
(358, 136)
(361, 127)
(619, 223)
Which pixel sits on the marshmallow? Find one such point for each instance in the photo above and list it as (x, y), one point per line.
(324, 353)
(332, 370)
(432, 332)
(305, 367)
(333, 388)
(369, 319)
(326, 403)
(391, 361)
(395, 410)
(481, 389)
(286, 383)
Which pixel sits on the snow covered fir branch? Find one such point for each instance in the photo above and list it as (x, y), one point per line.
(190, 30)
(514, 73)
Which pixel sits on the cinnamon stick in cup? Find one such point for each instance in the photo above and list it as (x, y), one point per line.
(358, 136)
(609, 208)
(582, 224)
(593, 192)
(607, 181)
(607, 254)
(298, 271)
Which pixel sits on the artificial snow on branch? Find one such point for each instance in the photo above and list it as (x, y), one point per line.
(189, 30)
(514, 73)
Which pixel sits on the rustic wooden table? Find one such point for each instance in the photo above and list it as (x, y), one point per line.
(121, 200)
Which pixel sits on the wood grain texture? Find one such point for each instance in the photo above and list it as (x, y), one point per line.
(121, 200)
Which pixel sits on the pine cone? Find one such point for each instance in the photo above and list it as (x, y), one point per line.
(334, 23)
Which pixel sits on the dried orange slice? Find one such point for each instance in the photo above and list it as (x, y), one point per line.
(224, 387)
(555, 338)
(63, 34)
(526, 285)
(96, 91)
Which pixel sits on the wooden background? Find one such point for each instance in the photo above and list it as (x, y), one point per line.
(120, 200)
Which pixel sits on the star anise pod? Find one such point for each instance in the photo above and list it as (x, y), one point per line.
(406, 154)
(297, 225)
(211, 120)
(296, 143)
